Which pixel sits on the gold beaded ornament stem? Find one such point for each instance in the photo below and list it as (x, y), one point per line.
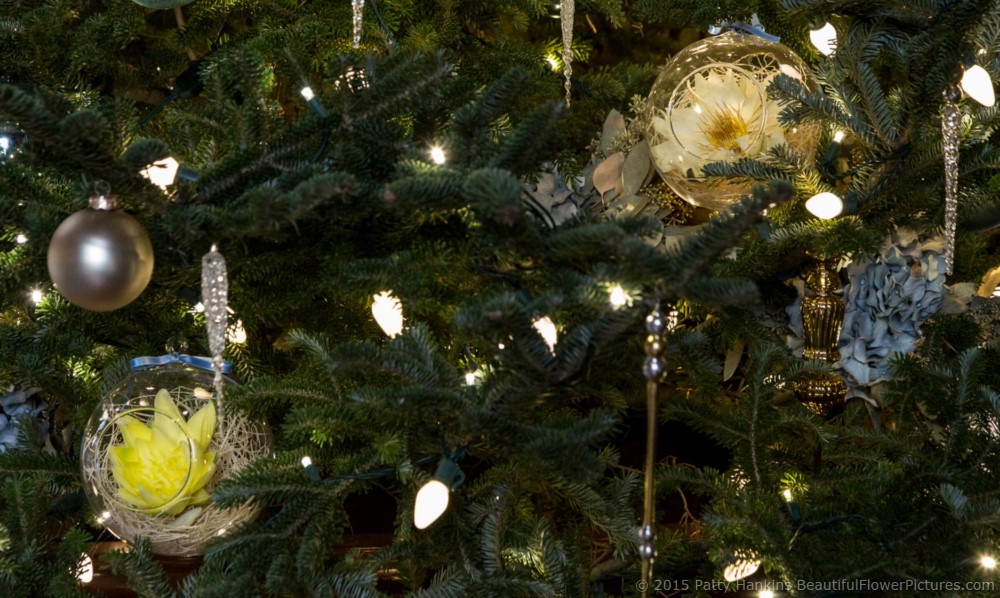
(652, 369)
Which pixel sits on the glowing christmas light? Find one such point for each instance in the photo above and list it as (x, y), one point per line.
(432, 502)
(162, 173)
(236, 333)
(433, 497)
(37, 296)
(307, 93)
(22, 239)
(824, 38)
(437, 155)
(988, 562)
(976, 83)
(85, 569)
(547, 329)
(744, 564)
(825, 205)
(617, 296)
(838, 136)
(388, 313)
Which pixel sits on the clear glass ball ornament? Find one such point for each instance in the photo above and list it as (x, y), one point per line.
(710, 104)
(153, 451)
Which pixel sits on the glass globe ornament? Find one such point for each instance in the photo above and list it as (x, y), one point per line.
(710, 104)
(154, 449)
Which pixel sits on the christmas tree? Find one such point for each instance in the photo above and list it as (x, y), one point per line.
(477, 257)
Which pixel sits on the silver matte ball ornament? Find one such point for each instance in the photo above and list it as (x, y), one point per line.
(100, 258)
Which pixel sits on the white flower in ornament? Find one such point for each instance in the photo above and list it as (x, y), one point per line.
(722, 115)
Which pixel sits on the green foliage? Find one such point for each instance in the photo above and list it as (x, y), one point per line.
(316, 211)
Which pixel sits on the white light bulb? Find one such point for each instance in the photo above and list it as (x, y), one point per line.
(470, 378)
(824, 38)
(553, 62)
(825, 205)
(765, 594)
(85, 569)
(36, 296)
(307, 93)
(431, 503)
(437, 155)
(4, 144)
(307, 461)
(787, 493)
(162, 173)
(547, 330)
(199, 307)
(388, 313)
(236, 333)
(617, 296)
(838, 136)
(22, 239)
(976, 83)
(988, 562)
(104, 516)
(744, 565)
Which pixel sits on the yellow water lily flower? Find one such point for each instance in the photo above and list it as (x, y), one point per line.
(163, 467)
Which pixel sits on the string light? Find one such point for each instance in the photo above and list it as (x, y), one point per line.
(824, 39)
(162, 173)
(553, 62)
(104, 517)
(618, 297)
(988, 562)
(787, 493)
(547, 330)
(85, 569)
(37, 296)
(199, 307)
(976, 84)
(825, 205)
(311, 471)
(313, 102)
(236, 333)
(22, 239)
(470, 378)
(433, 497)
(744, 564)
(766, 594)
(388, 313)
(838, 136)
(437, 155)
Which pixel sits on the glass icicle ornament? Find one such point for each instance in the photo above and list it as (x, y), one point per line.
(951, 121)
(358, 11)
(710, 104)
(567, 14)
(215, 295)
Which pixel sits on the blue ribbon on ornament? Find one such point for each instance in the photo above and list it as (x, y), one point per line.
(754, 27)
(204, 363)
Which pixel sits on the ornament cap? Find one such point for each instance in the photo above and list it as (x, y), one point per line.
(103, 202)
